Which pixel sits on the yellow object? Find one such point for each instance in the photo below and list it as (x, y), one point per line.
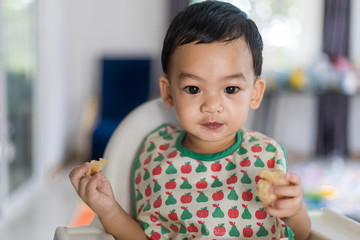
(298, 80)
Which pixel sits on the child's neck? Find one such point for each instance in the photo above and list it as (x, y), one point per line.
(196, 145)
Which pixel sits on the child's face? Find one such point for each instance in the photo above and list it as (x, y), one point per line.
(212, 87)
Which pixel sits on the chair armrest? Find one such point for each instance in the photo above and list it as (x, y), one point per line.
(81, 233)
(327, 224)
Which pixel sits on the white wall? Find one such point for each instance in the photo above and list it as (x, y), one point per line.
(354, 126)
(51, 94)
(355, 33)
(311, 33)
(73, 36)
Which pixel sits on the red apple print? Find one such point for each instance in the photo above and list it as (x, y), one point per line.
(245, 162)
(233, 212)
(138, 179)
(186, 168)
(174, 228)
(202, 213)
(157, 170)
(173, 216)
(216, 167)
(247, 231)
(164, 147)
(155, 235)
(232, 179)
(157, 202)
(219, 230)
(271, 163)
(202, 184)
(186, 198)
(257, 179)
(148, 190)
(147, 160)
(260, 214)
(171, 184)
(192, 228)
(153, 218)
(172, 154)
(256, 148)
(273, 229)
(217, 196)
(247, 195)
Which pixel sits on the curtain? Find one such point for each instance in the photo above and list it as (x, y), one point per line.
(333, 106)
(176, 6)
(332, 122)
(336, 27)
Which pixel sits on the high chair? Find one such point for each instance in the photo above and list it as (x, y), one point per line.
(121, 151)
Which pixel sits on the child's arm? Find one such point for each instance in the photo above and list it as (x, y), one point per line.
(97, 193)
(291, 207)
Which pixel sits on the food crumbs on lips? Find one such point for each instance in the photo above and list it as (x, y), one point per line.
(96, 166)
(269, 179)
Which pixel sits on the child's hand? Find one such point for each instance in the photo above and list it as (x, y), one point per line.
(291, 201)
(94, 190)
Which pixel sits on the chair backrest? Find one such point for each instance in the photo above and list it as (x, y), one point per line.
(125, 143)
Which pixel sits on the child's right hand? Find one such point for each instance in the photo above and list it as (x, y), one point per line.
(95, 190)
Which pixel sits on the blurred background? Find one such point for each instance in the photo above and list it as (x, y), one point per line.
(71, 70)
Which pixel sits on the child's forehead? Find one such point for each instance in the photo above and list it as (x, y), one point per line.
(238, 45)
(228, 54)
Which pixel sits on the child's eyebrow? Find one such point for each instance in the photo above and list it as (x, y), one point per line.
(239, 76)
(184, 75)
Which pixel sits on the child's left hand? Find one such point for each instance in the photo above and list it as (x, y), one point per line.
(291, 200)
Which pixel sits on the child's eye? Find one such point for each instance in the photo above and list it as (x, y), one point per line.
(231, 90)
(192, 89)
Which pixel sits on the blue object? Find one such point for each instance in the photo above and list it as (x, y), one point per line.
(125, 85)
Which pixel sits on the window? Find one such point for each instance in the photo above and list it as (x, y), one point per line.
(18, 29)
(291, 31)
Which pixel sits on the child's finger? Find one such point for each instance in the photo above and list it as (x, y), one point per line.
(286, 203)
(284, 207)
(77, 173)
(91, 188)
(293, 178)
(104, 186)
(287, 191)
(275, 212)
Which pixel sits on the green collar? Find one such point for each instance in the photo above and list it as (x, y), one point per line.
(207, 157)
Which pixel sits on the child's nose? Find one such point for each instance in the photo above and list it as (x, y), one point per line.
(212, 104)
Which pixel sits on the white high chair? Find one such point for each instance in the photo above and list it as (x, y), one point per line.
(121, 151)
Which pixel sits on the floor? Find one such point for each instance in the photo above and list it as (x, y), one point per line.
(53, 206)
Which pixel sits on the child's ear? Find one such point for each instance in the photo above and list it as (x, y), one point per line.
(257, 93)
(165, 90)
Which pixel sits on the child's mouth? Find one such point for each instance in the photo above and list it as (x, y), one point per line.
(212, 125)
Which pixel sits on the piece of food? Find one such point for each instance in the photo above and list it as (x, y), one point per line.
(269, 179)
(96, 166)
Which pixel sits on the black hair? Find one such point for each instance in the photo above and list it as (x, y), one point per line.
(208, 22)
